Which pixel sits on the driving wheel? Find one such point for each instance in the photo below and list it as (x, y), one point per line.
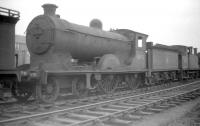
(108, 84)
(132, 82)
(49, 92)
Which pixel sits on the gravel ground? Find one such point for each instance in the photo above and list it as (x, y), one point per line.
(187, 114)
(191, 118)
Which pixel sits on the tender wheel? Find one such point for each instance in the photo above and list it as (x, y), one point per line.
(108, 84)
(21, 90)
(49, 92)
(79, 87)
(132, 81)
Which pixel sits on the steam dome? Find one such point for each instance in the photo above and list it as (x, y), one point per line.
(96, 23)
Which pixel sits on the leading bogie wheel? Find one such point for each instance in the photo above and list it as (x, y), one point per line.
(49, 92)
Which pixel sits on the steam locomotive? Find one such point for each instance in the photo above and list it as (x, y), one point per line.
(71, 58)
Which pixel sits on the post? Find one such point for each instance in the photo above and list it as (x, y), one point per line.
(88, 80)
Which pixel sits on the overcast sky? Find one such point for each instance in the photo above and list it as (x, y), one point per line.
(170, 22)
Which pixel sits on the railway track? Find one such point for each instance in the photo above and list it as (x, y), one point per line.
(12, 109)
(118, 111)
(65, 97)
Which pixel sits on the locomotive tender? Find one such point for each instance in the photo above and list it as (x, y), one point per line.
(66, 57)
(10, 76)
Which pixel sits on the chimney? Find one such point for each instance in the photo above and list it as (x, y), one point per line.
(49, 9)
(149, 45)
(190, 50)
(195, 51)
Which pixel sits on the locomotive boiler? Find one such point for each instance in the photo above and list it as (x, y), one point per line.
(51, 39)
(70, 58)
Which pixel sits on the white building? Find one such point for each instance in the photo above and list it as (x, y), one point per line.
(21, 52)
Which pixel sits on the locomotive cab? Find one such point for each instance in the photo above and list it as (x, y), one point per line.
(137, 55)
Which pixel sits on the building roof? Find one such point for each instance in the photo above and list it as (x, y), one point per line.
(9, 16)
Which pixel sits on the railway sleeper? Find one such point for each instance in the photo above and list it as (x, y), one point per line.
(172, 104)
(108, 109)
(180, 100)
(117, 107)
(135, 102)
(103, 110)
(163, 106)
(90, 113)
(154, 109)
(131, 117)
(126, 104)
(65, 121)
(141, 113)
(113, 121)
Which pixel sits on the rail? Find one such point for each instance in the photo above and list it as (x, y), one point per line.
(82, 119)
(9, 12)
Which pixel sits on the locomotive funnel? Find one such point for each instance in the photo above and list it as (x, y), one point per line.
(49, 9)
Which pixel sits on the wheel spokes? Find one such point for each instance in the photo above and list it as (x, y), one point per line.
(108, 84)
(79, 87)
(132, 82)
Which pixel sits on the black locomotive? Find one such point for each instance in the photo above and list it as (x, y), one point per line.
(70, 58)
